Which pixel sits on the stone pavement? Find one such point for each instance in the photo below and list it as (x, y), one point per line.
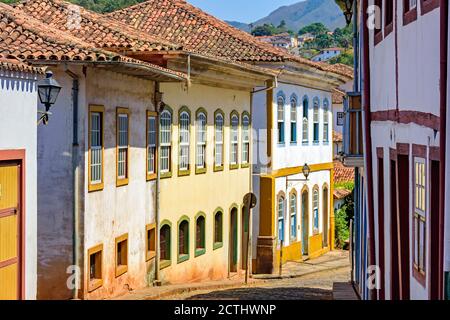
(308, 280)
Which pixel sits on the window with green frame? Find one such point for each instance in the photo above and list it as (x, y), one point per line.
(200, 235)
(183, 241)
(164, 245)
(218, 229)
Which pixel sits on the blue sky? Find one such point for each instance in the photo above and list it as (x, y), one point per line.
(240, 10)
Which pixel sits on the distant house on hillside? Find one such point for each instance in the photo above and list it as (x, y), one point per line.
(327, 54)
(282, 40)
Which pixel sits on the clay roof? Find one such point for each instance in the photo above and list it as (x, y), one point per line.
(340, 68)
(180, 22)
(341, 193)
(337, 136)
(342, 173)
(94, 28)
(24, 38)
(12, 64)
(337, 96)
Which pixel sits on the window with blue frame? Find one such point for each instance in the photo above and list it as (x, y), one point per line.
(280, 218)
(316, 209)
(326, 131)
(293, 212)
(316, 104)
(305, 121)
(280, 119)
(293, 119)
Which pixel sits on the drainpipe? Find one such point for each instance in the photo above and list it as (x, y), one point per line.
(275, 85)
(442, 134)
(157, 103)
(75, 181)
(368, 145)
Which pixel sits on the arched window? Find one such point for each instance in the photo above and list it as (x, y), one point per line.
(218, 229)
(326, 132)
(185, 123)
(305, 120)
(316, 120)
(316, 209)
(218, 140)
(280, 115)
(164, 243)
(166, 141)
(293, 215)
(280, 210)
(245, 139)
(293, 119)
(234, 139)
(200, 235)
(201, 140)
(183, 240)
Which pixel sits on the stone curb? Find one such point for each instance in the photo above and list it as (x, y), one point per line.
(298, 275)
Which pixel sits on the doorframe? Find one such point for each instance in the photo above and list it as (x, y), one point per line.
(232, 240)
(325, 216)
(303, 214)
(19, 157)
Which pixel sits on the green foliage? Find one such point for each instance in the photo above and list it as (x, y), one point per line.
(345, 185)
(315, 29)
(342, 232)
(270, 29)
(344, 58)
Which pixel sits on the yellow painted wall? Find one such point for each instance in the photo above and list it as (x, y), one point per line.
(194, 193)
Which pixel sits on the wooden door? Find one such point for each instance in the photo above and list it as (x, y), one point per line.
(305, 223)
(9, 231)
(233, 240)
(325, 218)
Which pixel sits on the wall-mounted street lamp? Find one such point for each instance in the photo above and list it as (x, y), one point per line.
(306, 170)
(48, 91)
(347, 8)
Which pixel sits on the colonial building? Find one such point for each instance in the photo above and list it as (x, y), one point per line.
(402, 225)
(200, 32)
(18, 177)
(327, 54)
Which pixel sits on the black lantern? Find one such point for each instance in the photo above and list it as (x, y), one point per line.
(306, 171)
(48, 91)
(347, 8)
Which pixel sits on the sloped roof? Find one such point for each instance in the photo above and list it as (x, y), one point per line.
(341, 193)
(342, 173)
(12, 64)
(24, 38)
(94, 28)
(180, 22)
(337, 96)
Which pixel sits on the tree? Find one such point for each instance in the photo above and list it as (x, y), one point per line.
(264, 30)
(315, 29)
(344, 58)
(323, 41)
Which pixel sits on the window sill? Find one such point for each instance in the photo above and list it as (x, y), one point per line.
(281, 144)
(245, 165)
(410, 16)
(305, 143)
(184, 173)
(326, 143)
(150, 255)
(95, 187)
(200, 252)
(120, 270)
(234, 166)
(121, 182)
(166, 175)
(217, 245)
(183, 258)
(293, 143)
(419, 276)
(200, 170)
(378, 37)
(151, 177)
(388, 29)
(428, 6)
(316, 143)
(94, 284)
(164, 264)
(218, 168)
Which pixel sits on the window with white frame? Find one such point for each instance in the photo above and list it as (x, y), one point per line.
(316, 104)
(166, 141)
(280, 210)
(280, 119)
(305, 121)
(201, 140)
(316, 209)
(185, 123)
(122, 144)
(326, 132)
(96, 141)
(420, 216)
(293, 211)
(234, 139)
(245, 138)
(218, 140)
(293, 120)
(151, 144)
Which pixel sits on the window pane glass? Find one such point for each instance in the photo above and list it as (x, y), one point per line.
(96, 147)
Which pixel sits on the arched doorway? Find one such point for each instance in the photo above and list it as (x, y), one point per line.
(305, 222)
(325, 217)
(244, 234)
(233, 243)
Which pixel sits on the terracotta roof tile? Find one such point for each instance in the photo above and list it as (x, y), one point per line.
(338, 96)
(341, 193)
(24, 38)
(94, 28)
(342, 173)
(12, 64)
(180, 22)
(337, 136)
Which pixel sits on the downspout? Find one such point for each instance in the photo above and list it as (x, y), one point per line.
(368, 144)
(157, 281)
(75, 182)
(442, 135)
(275, 85)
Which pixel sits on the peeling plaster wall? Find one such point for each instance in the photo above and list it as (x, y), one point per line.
(18, 111)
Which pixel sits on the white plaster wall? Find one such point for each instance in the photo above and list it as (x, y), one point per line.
(320, 179)
(337, 108)
(297, 154)
(326, 55)
(18, 110)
